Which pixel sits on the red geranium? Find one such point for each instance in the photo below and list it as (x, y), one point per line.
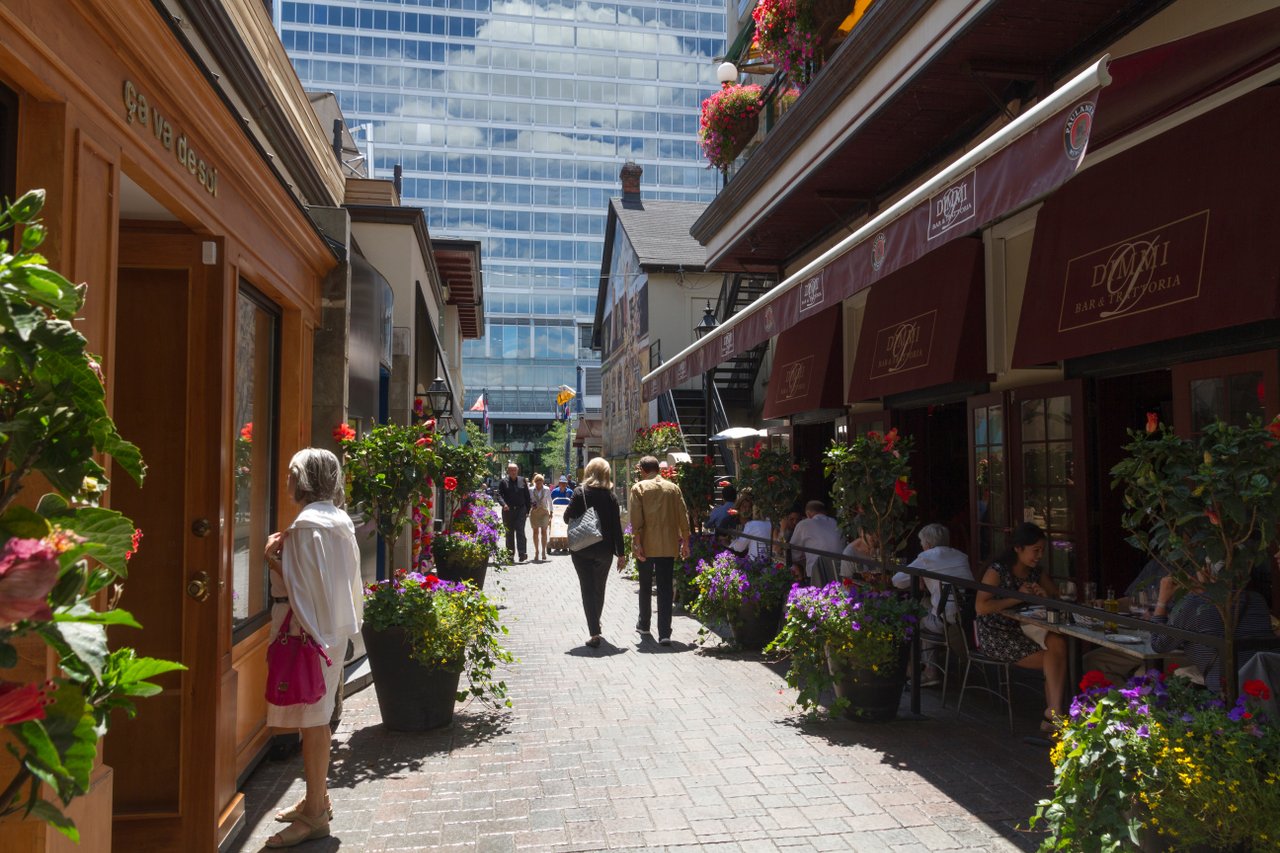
(1153, 422)
(343, 433)
(1257, 689)
(1094, 680)
(431, 580)
(450, 483)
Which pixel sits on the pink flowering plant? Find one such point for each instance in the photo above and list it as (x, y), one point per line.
(1162, 763)
(655, 440)
(60, 560)
(871, 490)
(729, 581)
(729, 120)
(451, 626)
(835, 627)
(773, 479)
(786, 33)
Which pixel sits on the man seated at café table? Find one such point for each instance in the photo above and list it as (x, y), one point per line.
(936, 555)
(1197, 612)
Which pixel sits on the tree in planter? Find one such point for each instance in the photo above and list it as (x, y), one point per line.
(697, 480)
(389, 472)
(774, 480)
(467, 464)
(1212, 500)
(871, 490)
(58, 559)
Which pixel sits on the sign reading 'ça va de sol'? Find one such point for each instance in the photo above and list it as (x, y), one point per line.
(139, 110)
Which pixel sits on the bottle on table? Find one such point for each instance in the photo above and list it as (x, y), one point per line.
(1111, 605)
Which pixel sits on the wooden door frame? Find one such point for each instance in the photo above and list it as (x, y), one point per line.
(162, 245)
(1266, 362)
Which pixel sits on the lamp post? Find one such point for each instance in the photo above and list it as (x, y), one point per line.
(727, 74)
(440, 400)
(704, 328)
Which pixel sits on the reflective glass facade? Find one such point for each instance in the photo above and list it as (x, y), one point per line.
(511, 120)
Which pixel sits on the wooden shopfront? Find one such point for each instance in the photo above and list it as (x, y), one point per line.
(203, 280)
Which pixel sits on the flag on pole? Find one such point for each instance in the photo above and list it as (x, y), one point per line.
(482, 405)
(564, 394)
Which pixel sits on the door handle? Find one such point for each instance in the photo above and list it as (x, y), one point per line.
(198, 586)
(201, 527)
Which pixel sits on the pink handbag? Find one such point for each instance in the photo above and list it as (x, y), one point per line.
(294, 676)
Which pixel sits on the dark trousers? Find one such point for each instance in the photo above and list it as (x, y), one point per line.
(514, 520)
(593, 574)
(662, 567)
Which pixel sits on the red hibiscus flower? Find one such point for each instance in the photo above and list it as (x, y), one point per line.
(429, 423)
(872, 435)
(246, 431)
(1257, 689)
(133, 543)
(890, 439)
(1213, 518)
(1153, 422)
(21, 702)
(902, 490)
(1274, 428)
(1093, 680)
(28, 571)
(450, 483)
(722, 483)
(343, 433)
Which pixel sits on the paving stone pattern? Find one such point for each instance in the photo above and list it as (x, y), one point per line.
(635, 746)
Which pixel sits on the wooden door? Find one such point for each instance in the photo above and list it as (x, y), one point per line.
(167, 389)
(990, 510)
(1225, 389)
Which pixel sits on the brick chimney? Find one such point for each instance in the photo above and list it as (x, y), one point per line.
(631, 181)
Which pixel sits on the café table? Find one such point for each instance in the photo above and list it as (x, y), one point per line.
(1076, 631)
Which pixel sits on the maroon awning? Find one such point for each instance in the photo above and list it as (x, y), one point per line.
(1172, 237)
(808, 367)
(1023, 161)
(924, 325)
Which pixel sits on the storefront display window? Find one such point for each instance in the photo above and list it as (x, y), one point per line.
(256, 414)
(989, 476)
(1048, 478)
(1231, 389)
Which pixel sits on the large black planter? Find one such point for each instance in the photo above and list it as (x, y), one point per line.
(755, 626)
(873, 696)
(411, 697)
(462, 572)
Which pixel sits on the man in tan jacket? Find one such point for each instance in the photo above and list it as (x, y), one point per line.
(659, 533)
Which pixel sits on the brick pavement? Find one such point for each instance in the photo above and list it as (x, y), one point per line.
(636, 746)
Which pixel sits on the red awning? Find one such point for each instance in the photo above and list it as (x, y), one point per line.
(1172, 237)
(807, 366)
(924, 325)
(1023, 161)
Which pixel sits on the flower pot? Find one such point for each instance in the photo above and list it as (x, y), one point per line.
(411, 697)
(462, 571)
(754, 626)
(873, 696)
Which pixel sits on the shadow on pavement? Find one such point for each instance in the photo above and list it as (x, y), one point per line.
(605, 650)
(374, 752)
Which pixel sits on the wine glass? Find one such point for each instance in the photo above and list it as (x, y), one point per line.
(1067, 591)
(1141, 606)
(1091, 593)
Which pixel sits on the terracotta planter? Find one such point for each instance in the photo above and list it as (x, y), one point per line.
(754, 626)
(411, 697)
(873, 696)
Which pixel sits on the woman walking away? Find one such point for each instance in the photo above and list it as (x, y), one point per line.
(315, 576)
(540, 517)
(1002, 638)
(592, 562)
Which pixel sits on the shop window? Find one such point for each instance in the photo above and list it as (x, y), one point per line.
(256, 460)
(1230, 389)
(988, 476)
(1048, 425)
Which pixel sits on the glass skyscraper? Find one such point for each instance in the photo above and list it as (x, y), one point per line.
(512, 120)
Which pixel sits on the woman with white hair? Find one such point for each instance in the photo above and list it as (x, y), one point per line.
(936, 555)
(315, 576)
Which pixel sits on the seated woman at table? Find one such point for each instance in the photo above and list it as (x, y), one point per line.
(1001, 637)
(752, 525)
(1197, 612)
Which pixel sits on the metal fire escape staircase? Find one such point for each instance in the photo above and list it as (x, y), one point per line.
(736, 379)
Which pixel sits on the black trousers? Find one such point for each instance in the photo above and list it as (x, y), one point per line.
(662, 567)
(593, 574)
(514, 520)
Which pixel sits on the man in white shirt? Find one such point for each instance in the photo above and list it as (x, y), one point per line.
(936, 556)
(816, 532)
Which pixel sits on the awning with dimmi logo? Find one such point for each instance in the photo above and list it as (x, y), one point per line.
(924, 325)
(1031, 156)
(807, 366)
(1170, 238)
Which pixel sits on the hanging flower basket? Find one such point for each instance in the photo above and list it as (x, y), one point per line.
(787, 35)
(729, 121)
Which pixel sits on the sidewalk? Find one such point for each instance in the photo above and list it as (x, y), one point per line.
(639, 747)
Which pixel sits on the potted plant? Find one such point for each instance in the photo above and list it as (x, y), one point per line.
(473, 538)
(747, 593)
(389, 473)
(697, 480)
(422, 634)
(728, 122)
(1162, 765)
(61, 563)
(849, 639)
(702, 547)
(773, 479)
(1210, 500)
(658, 439)
(871, 491)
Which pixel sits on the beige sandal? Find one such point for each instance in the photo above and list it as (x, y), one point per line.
(302, 829)
(293, 813)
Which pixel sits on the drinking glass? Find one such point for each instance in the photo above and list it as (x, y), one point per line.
(1142, 604)
(1091, 593)
(1067, 590)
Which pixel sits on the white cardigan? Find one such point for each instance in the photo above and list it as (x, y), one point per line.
(321, 570)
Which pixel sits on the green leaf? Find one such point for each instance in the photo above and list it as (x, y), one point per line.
(41, 286)
(85, 614)
(72, 728)
(108, 536)
(140, 669)
(18, 522)
(86, 641)
(50, 814)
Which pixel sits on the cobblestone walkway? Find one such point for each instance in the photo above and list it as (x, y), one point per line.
(634, 746)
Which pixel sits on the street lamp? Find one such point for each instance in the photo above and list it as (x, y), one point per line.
(700, 331)
(727, 74)
(440, 401)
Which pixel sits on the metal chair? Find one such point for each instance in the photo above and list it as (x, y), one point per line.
(943, 639)
(1003, 689)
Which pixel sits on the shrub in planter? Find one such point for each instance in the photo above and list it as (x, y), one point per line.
(773, 479)
(697, 480)
(746, 593)
(835, 630)
(657, 439)
(871, 490)
(702, 546)
(1163, 765)
(729, 120)
(389, 473)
